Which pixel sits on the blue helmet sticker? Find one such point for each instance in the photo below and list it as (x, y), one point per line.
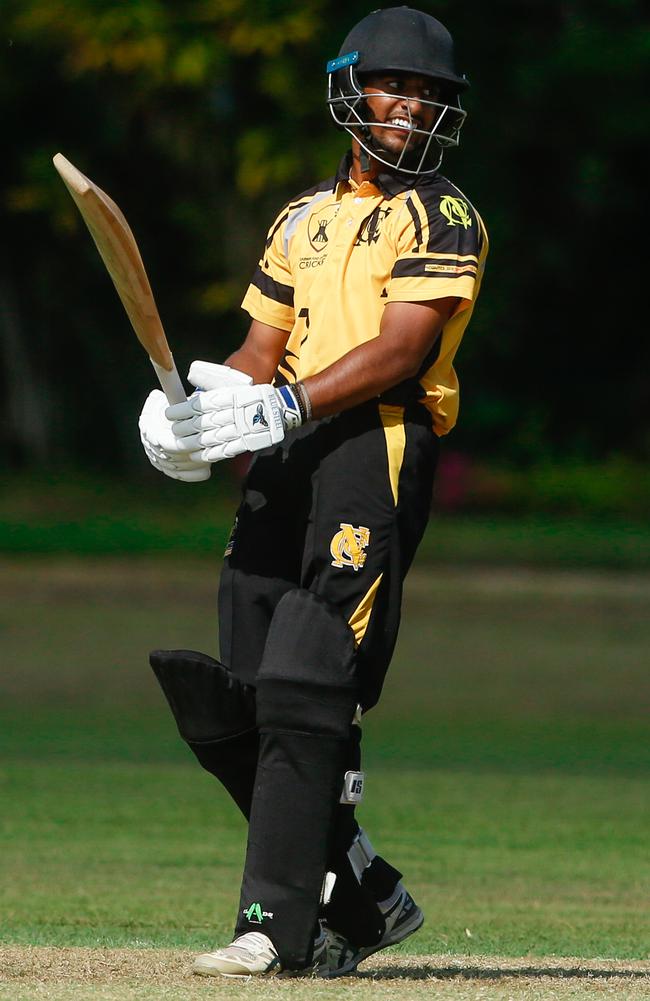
(338, 64)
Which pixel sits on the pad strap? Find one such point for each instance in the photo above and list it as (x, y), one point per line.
(361, 853)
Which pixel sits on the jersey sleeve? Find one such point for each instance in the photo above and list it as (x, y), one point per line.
(441, 248)
(269, 297)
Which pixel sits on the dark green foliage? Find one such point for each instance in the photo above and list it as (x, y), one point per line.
(201, 118)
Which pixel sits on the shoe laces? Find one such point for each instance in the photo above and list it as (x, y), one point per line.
(253, 941)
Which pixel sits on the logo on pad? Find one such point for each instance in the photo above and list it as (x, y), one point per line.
(255, 914)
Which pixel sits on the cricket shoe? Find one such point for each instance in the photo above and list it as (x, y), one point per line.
(253, 955)
(403, 918)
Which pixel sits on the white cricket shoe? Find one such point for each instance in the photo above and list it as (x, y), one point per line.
(254, 955)
(250, 955)
(403, 918)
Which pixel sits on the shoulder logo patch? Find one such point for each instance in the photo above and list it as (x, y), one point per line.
(348, 545)
(455, 211)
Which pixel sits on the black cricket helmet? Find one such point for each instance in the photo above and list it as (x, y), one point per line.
(403, 41)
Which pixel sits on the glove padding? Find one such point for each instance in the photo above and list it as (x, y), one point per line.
(209, 375)
(221, 423)
(167, 453)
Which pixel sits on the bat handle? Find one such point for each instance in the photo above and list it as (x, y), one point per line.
(170, 382)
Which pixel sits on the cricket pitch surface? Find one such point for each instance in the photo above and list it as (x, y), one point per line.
(68, 974)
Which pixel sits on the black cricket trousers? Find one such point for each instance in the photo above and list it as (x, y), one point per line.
(338, 510)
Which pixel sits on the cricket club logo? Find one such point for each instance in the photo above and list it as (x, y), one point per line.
(348, 545)
(319, 222)
(259, 417)
(371, 229)
(455, 211)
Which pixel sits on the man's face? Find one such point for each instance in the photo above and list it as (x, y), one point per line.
(411, 94)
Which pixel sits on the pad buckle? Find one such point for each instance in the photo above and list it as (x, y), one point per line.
(353, 785)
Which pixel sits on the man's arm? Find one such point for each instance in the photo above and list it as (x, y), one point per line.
(260, 353)
(408, 332)
(222, 423)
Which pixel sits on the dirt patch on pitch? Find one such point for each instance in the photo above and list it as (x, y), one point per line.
(72, 974)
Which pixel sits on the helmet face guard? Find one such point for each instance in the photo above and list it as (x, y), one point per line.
(423, 150)
(405, 42)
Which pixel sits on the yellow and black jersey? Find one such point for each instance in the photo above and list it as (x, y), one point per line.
(338, 253)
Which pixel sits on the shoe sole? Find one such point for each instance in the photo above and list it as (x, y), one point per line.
(274, 970)
(220, 973)
(206, 970)
(398, 935)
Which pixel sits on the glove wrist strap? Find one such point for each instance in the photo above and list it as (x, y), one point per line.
(290, 408)
(295, 405)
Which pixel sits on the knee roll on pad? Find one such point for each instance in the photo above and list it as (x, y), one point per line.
(307, 679)
(207, 702)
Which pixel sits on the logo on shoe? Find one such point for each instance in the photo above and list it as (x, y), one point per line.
(255, 914)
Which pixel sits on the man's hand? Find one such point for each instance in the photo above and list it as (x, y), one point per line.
(208, 375)
(167, 453)
(164, 450)
(222, 423)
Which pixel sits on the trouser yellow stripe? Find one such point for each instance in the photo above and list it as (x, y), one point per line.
(392, 419)
(360, 617)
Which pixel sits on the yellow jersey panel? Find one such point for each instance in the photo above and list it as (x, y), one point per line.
(338, 253)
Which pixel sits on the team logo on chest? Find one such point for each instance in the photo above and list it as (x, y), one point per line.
(348, 546)
(455, 211)
(371, 229)
(319, 222)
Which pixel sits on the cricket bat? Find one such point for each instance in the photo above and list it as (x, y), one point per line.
(119, 252)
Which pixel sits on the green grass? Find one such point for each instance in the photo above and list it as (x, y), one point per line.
(71, 514)
(148, 855)
(507, 764)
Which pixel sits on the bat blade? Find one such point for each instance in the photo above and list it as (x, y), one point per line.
(119, 251)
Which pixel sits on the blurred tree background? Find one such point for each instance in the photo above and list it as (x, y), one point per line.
(201, 117)
(511, 748)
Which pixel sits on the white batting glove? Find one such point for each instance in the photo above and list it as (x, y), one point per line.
(208, 375)
(166, 453)
(221, 423)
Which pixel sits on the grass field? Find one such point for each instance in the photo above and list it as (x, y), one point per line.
(599, 522)
(507, 775)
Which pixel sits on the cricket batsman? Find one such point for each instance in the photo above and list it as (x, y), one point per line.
(342, 389)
